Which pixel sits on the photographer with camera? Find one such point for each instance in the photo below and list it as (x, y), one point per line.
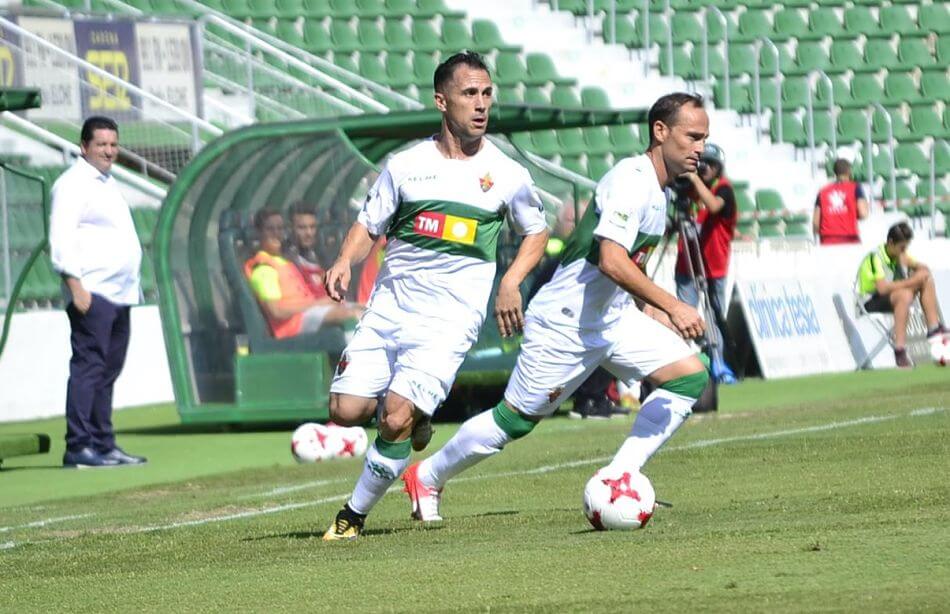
(706, 197)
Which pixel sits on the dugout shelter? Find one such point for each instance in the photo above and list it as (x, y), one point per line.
(225, 364)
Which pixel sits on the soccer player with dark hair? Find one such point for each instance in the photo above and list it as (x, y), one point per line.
(890, 279)
(838, 207)
(441, 204)
(599, 309)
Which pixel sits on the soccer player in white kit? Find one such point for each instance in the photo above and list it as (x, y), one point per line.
(588, 315)
(442, 203)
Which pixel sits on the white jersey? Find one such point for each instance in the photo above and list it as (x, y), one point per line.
(629, 208)
(442, 218)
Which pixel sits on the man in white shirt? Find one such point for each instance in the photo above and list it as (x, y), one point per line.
(442, 204)
(599, 309)
(94, 248)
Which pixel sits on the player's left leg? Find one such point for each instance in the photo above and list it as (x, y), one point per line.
(928, 302)
(550, 366)
(646, 348)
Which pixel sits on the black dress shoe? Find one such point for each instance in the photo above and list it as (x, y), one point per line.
(118, 455)
(87, 458)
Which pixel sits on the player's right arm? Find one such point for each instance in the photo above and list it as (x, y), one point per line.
(616, 265)
(373, 220)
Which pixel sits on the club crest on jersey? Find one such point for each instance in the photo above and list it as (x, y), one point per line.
(555, 393)
(452, 228)
(486, 182)
(341, 366)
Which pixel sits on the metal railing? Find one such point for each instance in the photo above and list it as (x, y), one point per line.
(727, 102)
(759, 44)
(813, 78)
(933, 185)
(869, 162)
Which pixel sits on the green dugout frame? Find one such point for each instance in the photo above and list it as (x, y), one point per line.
(225, 367)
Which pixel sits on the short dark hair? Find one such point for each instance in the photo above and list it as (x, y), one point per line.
(96, 122)
(841, 167)
(667, 107)
(899, 232)
(262, 215)
(446, 70)
(301, 208)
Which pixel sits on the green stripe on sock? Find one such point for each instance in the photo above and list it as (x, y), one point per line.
(689, 385)
(396, 450)
(511, 422)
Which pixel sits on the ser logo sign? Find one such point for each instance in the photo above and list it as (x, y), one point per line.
(109, 94)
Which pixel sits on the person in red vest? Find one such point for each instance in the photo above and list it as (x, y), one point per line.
(716, 216)
(838, 208)
(287, 300)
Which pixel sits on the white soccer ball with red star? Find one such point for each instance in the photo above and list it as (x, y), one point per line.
(940, 349)
(350, 440)
(312, 443)
(616, 499)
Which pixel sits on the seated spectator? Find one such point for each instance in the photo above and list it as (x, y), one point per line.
(286, 299)
(890, 279)
(302, 250)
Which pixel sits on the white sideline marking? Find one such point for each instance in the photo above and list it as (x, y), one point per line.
(283, 490)
(42, 523)
(702, 443)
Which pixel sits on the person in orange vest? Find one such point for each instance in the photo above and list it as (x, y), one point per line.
(289, 304)
(838, 207)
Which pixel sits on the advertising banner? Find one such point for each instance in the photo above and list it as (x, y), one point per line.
(109, 45)
(166, 62)
(11, 68)
(794, 326)
(55, 77)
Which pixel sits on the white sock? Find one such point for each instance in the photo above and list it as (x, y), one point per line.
(379, 473)
(660, 415)
(477, 439)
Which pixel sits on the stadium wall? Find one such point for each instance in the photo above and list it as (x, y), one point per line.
(34, 365)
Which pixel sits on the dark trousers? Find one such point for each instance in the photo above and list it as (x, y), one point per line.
(99, 338)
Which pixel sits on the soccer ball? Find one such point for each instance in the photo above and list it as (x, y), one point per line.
(312, 443)
(617, 499)
(349, 440)
(940, 349)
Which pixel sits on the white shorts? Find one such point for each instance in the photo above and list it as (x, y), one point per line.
(554, 361)
(417, 359)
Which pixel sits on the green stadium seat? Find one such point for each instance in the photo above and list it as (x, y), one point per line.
(900, 87)
(911, 157)
(371, 8)
(347, 62)
(860, 20)
(372, 68)
(899, 125)
(755, 23)
(545, 143)
(316, 37)
(541, 70)
(399, 70)
(682, 64)
(433, 7)
(262, 8)
(511, 70)
(267, 25)
(423, 68)
(865, 89)
(744, 202)
(795, 91)
(793, 130)
(397, 36)
(934, 17)
(797, 225)
(522, 140)
(824, 126)
(943, 48)
(217, 5)
(770, 228)
(287, 31)
(565, 97)
(537, 96)
(902, 191)
(715, 31)
(456, 35)
(344, 37)
(934, 84)
(881, 53)
(509, 95)
(594, 98)
(852, 125)
(625, 31)
(824, 21)
(317, 8)
(659, 29)
(575, 164)
(343, 8)
(597, 167)
(926, 121)
(942, 159)
(571, 142)
(425, 37)
(811, 55)
(741, 59)
(686, 28)
(740, 95)
(486, 37)
(845, 55)
(371, 37)
(625, 140)
(289, 9)
(791, 23)
(768, 201)
(716, 63)
(923, 188)
(597, 140)
(914, 53)
(896, 19)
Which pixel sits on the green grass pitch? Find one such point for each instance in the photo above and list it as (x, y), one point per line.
(820, 493)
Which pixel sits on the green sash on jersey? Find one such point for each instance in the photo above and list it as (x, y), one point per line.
(583, 244)
(449, 228)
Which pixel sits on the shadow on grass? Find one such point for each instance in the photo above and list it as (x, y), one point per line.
(319, 534)
(7, 469)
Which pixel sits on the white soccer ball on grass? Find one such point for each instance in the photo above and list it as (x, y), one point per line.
(618, 500)
(940, 349)
(351, 440)
(312, 443)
